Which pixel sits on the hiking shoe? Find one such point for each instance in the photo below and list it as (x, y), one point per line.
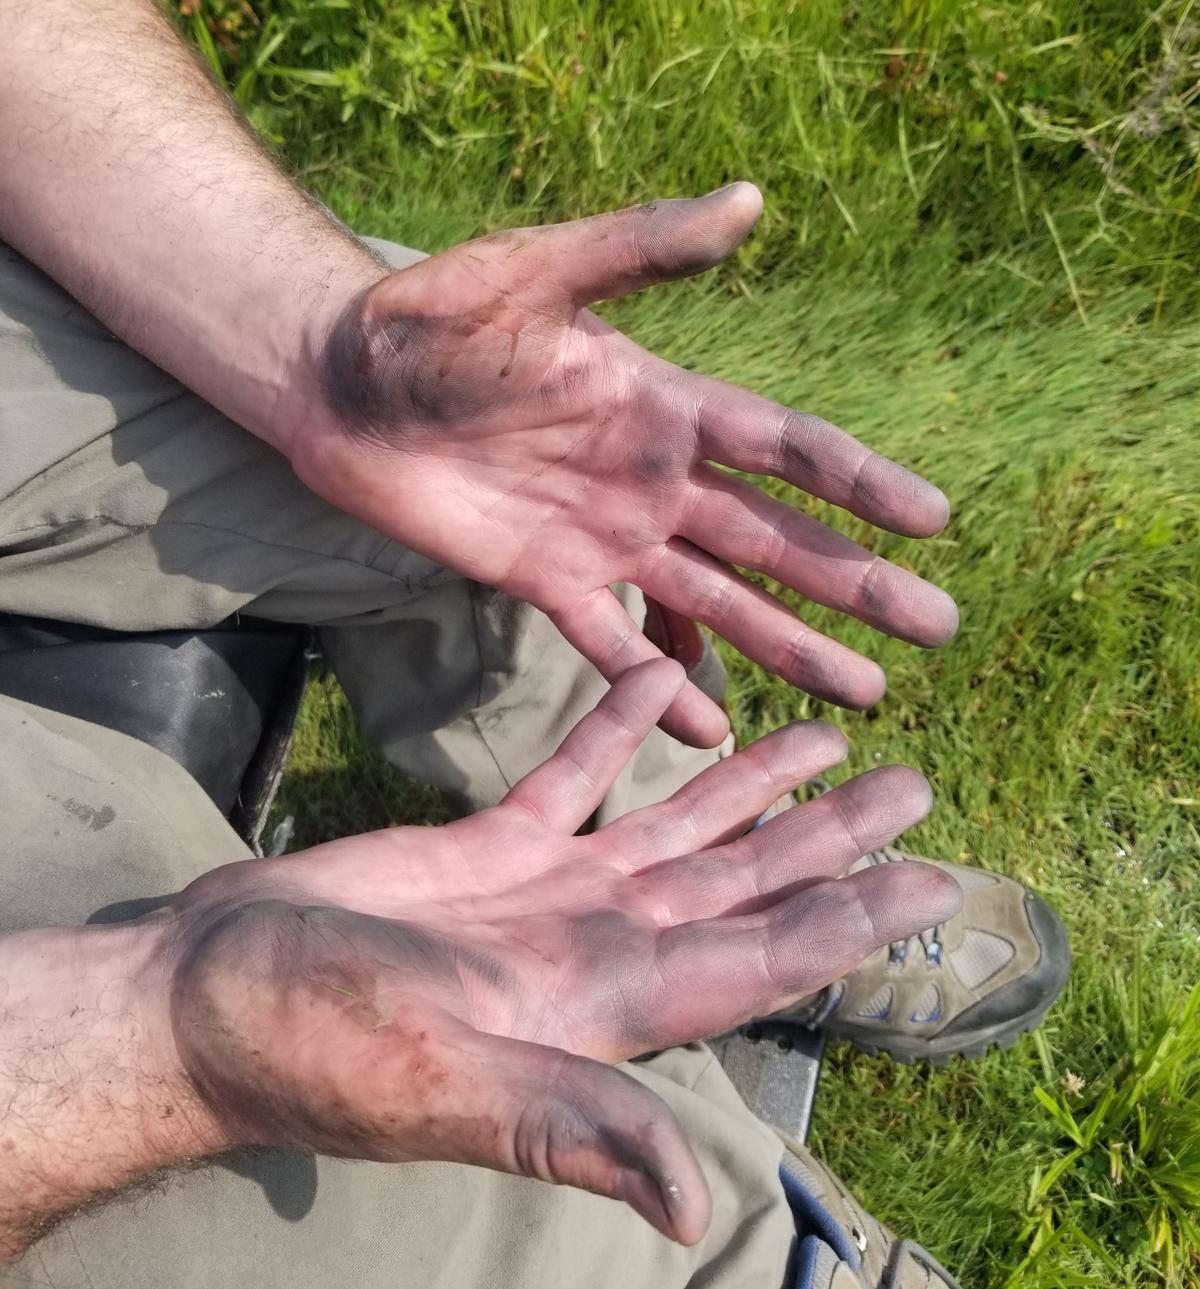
(978, 981)
(840, 1245)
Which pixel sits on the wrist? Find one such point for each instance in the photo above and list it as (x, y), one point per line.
(304, 406)
(92, 1093)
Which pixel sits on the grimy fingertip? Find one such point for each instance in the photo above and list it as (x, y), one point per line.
(662, 1201)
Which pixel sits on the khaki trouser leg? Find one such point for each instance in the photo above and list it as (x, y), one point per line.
(286, 1220)
(498, 687)
(127, 502)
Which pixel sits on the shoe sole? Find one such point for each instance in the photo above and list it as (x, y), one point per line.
(943, 1051)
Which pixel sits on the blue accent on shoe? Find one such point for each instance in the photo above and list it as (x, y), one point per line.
(808, 1253)
(812, 1218)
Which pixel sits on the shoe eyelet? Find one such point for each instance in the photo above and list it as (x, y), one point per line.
(860, 1238)
(933, 954)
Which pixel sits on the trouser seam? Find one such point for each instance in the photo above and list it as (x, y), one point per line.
(704, 1069)
(378, 551)
(407, 583)
(473, 590)
(77, 449)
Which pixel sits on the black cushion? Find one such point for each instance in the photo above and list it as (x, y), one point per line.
(202, 697)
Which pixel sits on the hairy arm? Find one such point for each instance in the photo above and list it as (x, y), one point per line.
(127, 177)
(90, 1096)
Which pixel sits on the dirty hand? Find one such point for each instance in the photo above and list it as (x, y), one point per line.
(462, 993)
(473, 408)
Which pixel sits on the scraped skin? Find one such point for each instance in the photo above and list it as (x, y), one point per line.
(537, 449)
(462, 993)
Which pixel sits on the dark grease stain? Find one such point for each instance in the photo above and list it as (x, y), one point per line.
(96, 817)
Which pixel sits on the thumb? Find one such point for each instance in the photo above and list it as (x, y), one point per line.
(577, 1122)
(622, 251)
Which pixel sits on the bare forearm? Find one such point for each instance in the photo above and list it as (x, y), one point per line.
(90, 1100)
(127, 177)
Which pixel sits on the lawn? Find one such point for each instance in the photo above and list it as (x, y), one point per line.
(978, 256)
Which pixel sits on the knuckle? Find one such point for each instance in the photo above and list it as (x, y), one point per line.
(873, 592)
(868, 483)
(716, 599)
(765, 546)
(854, 919)
(624, 719)
(797, 444)
(651, 901)
(617, 643)
(795, 655)
(685, 815)
(581, 771)
(764, 764)
(646, 249)
(820, 936)
(844, 921)
(851, 819)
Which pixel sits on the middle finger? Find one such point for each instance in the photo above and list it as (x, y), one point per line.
(821, 839)
(739, 523)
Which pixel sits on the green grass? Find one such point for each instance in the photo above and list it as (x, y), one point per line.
(1060, 132)
(992, 278)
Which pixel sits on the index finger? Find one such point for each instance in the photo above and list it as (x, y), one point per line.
(565, 789)
(751, 433)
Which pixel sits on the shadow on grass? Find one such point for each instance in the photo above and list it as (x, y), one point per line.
(336, 784)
